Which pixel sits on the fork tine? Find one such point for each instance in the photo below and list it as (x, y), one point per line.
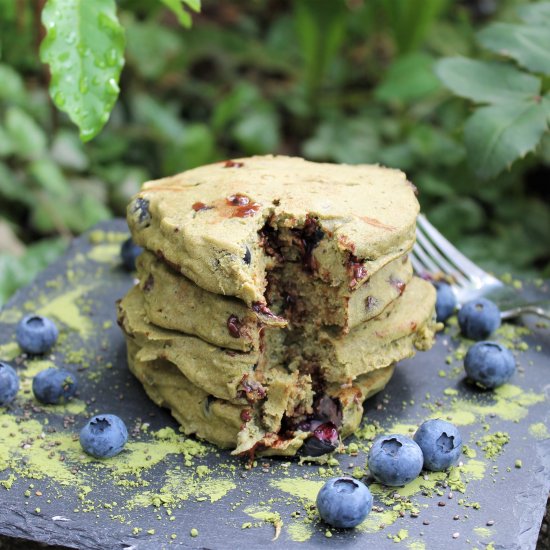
(425, 258)
(444, 265)
(418, 266)
(462, 262)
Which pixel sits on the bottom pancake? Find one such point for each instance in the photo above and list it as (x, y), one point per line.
(266, 427)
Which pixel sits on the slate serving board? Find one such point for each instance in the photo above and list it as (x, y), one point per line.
(55, 495)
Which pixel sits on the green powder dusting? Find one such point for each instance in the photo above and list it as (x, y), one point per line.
(374, 520)
(104, 253)
(416, 545)
(264, 513)
(402, 534)
(493, 444)
(9, 351)
(301, 488)
(509, 403)
(539, 431)
(482, 532)
(300, 531)
(65, 309)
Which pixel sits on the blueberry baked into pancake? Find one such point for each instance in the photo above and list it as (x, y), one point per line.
(275, 295)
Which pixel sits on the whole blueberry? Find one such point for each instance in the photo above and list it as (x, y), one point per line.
(344, 502)
(104, 436)
(445, 303)
(489, 364)
(53, 386)
(36, 334)
(129, 251)
(9, 383)
(440, 442)
(395, 460)
(478, 318)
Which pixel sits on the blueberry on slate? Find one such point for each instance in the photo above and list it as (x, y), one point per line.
(441, 444)
(104, 436)
(395, 460)
(129, 251)
(489, 364)
(36, 334)
(53, 386)
(344, 502)
(9, 383)
(445, 303)
(478, 318)
(323, 440)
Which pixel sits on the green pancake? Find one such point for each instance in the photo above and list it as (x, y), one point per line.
(225, 225)
(226, 374)
(244, 427)
(173, 301)
(408, 324)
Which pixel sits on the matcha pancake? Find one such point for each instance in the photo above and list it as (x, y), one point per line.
(224, 373)
(173, 301)
(245, 427)
(305, 302)
(406, 325)
(235, 376)
(226, 224)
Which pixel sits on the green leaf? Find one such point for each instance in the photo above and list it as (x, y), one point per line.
(84, 47)
(258, 132)
(175, 6)
(320, 29)
(486, 82)
(528, 45)
(497, 135)
(27, 138)
(152, 63)
(546, 105)
(49, 177)
(535, 14)
(12, 87)
(411, 20)
(408, 78)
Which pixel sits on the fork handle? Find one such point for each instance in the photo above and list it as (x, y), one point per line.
(541, 308)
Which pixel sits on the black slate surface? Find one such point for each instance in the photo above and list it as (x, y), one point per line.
(514, 498)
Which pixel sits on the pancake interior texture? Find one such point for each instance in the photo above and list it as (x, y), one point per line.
(275, 295)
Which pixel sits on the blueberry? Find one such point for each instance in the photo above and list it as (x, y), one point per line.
(440, 442)
(104, 436)
(395, 460)
(129, 251)
(9, 383)
(138, 209)
(445, 303)
(344, 502)
(489, 364)
(323, 440)
(478, 318)
(36, 334)
(53, 386)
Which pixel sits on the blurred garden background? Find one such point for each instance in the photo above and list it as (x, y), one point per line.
(331, 80)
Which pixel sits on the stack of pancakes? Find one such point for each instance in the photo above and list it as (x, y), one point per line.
(275, 295)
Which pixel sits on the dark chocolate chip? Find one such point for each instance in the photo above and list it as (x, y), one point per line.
(247, 256)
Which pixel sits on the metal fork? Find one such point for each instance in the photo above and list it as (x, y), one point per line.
(433, 254)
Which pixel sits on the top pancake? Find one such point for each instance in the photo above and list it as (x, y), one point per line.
(209, 222)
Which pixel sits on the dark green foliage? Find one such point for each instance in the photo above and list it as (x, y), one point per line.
(336, 81)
